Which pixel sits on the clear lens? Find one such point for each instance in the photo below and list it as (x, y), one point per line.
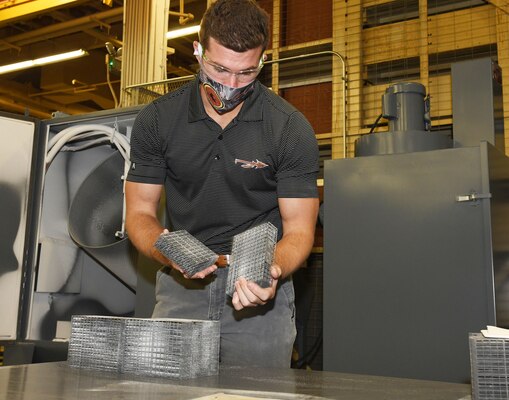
(220, 73)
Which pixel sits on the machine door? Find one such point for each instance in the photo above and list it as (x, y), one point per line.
(407, 263)
(17, 138)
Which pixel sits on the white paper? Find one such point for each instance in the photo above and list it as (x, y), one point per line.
(495, 332)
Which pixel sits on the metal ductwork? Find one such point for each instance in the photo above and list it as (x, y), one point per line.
(95, 217)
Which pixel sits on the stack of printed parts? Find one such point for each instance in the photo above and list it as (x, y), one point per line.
(489, 361)
(179, 348)
(251, 258)
(186, 251)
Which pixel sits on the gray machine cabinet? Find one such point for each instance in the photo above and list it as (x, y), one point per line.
(17, 153)
(410, 267)
(60, 254)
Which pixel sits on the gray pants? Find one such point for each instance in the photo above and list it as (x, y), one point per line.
(260, 336)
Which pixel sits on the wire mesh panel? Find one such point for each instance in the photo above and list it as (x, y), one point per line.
(179, 348)
(489, 362)
(186, 251)
(154, 348)
(95, 342)
(171, 348)
(201, 341)
(147, 92)
(252, 255)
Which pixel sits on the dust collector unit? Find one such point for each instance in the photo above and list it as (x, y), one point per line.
(406, 108)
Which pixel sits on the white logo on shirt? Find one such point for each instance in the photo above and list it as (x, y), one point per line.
(251, 164)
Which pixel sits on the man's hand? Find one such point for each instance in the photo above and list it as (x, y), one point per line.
(200, 275)
(249, 294)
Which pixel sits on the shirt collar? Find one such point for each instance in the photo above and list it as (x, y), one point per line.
(251, 109)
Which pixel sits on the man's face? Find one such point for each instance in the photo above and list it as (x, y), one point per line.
(229, 67)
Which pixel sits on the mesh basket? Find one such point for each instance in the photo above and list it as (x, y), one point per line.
(147, 92)
(489, 362)
(95, 342)
(186, 251)
(179, 348)
(252, 255)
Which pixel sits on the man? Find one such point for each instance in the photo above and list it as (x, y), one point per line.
(231, 155)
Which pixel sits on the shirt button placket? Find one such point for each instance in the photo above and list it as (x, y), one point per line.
(218, 145)
(217, 155)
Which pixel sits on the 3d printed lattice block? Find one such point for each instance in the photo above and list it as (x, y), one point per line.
(179, 348)
(186, 251)
(96, 343)
(252, 256)
(489, 365)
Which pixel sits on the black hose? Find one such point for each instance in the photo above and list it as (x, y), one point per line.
(375, 124)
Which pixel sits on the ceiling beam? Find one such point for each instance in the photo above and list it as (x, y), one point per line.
(23, 9)
(11, 105)
(103, 38)
(63, 28)
(67, 99)
(11, 92)
(63, 17)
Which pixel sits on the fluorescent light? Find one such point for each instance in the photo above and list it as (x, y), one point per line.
(188, 30)
(41, 61)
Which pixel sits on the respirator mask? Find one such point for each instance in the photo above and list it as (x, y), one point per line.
(224, 98)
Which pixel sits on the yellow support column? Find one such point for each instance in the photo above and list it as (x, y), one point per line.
(276, 43)
(145, 44)
(339, 80)
(503, 60)
(347, 40)
(423, 48)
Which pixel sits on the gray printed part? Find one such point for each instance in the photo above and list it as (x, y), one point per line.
(96, 343)
(165, 347)
(252, 256)
(186, 251)
(489, 367)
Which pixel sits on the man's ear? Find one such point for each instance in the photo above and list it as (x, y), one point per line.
(197, 48)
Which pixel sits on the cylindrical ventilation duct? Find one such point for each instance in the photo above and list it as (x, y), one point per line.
(95, 216)
(406, 108)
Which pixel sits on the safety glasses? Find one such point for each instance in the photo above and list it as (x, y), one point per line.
(220, 73)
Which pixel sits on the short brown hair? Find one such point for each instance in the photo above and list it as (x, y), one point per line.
(238, 25)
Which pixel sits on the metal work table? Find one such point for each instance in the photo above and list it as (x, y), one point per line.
(57, 381)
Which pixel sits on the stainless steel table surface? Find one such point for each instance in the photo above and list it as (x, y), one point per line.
(57, 381)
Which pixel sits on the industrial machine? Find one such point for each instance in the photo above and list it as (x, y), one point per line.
(64, 247)
(416, 244)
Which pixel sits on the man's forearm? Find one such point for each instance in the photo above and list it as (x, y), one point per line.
(292, 251)
(143, 231)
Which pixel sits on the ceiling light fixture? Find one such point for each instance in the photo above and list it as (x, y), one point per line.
(188, 30)
(43, 60)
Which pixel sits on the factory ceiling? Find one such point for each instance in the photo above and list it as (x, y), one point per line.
(32, 29)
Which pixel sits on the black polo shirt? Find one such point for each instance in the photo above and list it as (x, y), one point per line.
(220, 182)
